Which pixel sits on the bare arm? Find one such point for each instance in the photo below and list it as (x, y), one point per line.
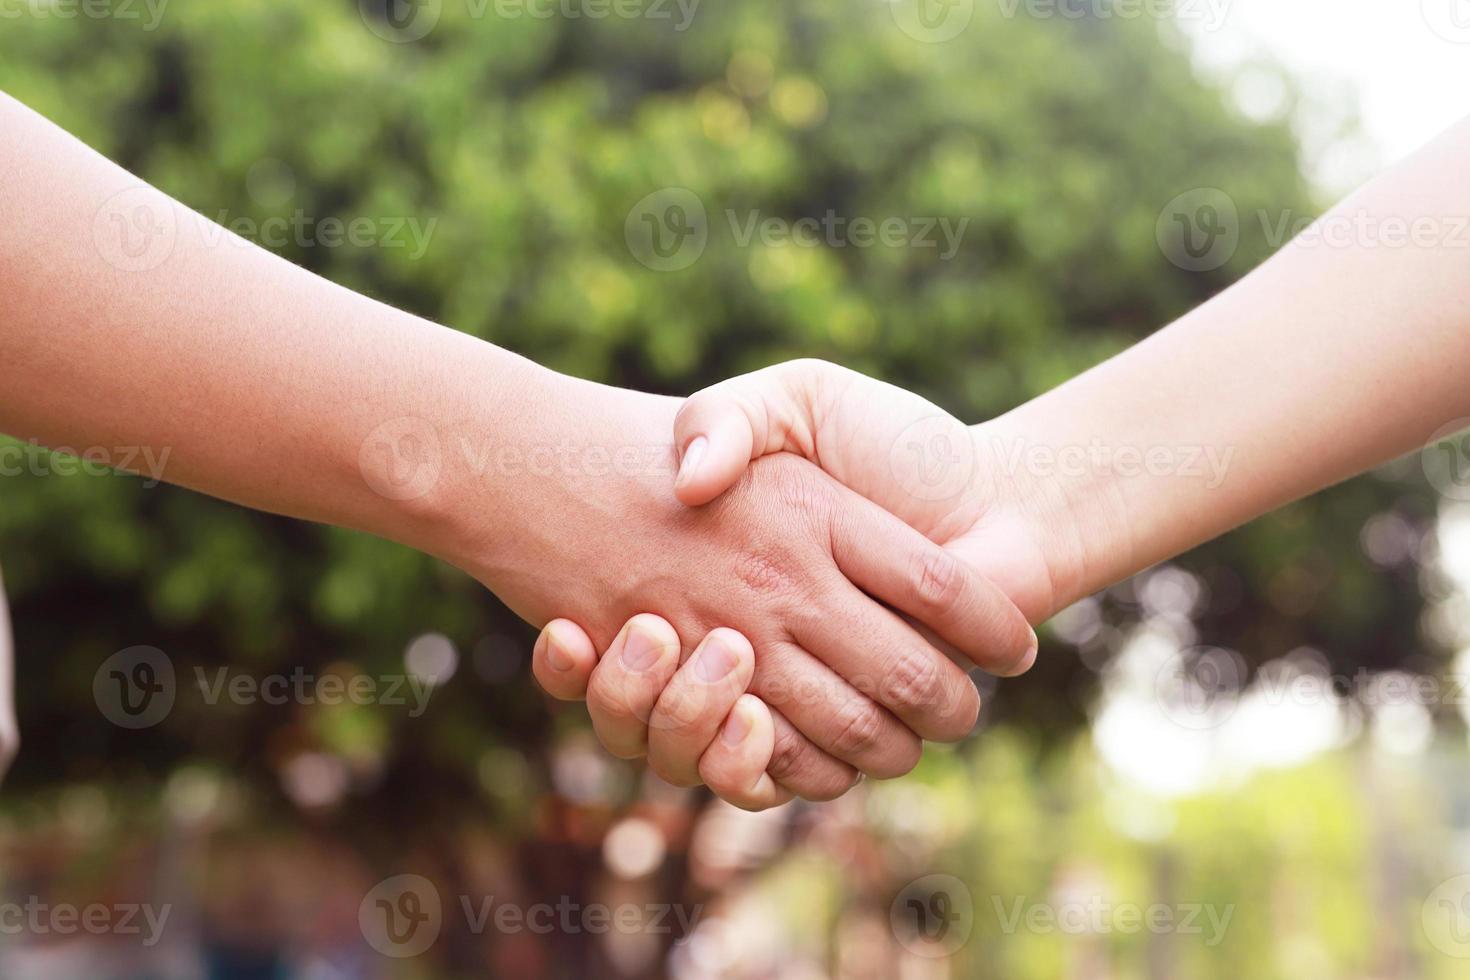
(133, 322)
(1333, 357)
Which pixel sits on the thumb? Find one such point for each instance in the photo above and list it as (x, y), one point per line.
(715, 438)
(719, 430)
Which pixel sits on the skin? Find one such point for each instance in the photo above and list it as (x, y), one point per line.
(1326, 361)
(9, 732)
(133, 322)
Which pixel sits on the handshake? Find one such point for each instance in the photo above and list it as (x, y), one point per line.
(834, 552)
(869, 590)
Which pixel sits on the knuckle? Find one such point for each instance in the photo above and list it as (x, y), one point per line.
(914, 681)
(765, 571)
(615, 702)
(939, 582)
(787, 756)
(791, 483)
(680, 708)
(861, 729)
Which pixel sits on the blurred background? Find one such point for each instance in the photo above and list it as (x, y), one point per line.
(1249, 763)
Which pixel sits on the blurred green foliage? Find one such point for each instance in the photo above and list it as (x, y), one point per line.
(527, 142)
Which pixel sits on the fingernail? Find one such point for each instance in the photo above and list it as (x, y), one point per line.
(640, 652)
(736, 727)
(1026, 662)
(693, 456)
(715, 660)
(556, 654)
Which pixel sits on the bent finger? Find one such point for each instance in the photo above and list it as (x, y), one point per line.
(628, 681)
(734, 765)
(563, 660)
(696, 702)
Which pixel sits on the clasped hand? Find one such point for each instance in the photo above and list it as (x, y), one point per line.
(879, 581)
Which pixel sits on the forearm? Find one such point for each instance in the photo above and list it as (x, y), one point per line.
(1331, 358)
(244, 376)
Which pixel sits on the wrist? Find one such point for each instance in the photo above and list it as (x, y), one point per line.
(1063, 517)
(518, 477)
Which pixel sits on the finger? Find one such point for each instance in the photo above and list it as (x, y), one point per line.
(563, 660)
(734, 765)
(895, 666)
(799, 766)
(716, 441)
(719, 430)
(696, 702)
(836, 717)
(628, 681)
(896, 564)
